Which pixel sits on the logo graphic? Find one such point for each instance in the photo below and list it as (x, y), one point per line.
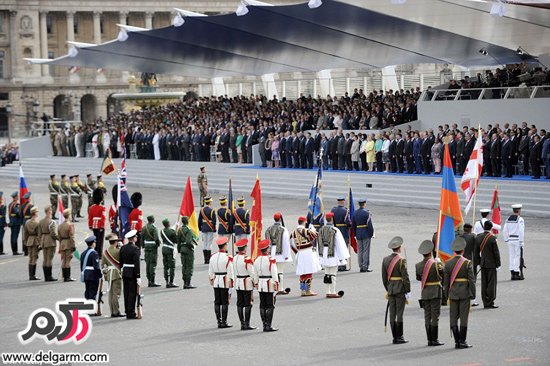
(75, 324)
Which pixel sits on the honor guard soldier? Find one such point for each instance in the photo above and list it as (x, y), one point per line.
(514, 235)
(461, 288)
(31, 235)
(202, 182)
(487, 256)
(169, 240)
(83, 190)
(110, 263)
(478, 226)
(342, 223)
(113, 211)
(431, 273)
(129, 262)
(333, 252)
(96, 219)
(280, 249)
(207, 226)
(361, 222)
(136, 216)
(65, 191)
(220, 273)
(224, 218)
(244, 277)
(67, 244)
(89, 187)
(302, 241)
(470, 239)
(242, 220)
(317, 221)
(398, 287)
(3, 222)
(25, 216)
(150, 242)
(14, 213)
(186, 247)
(74, 190)
(91, 270)
(53, 187)
(101, 184)
(266, 280)
(48, 243)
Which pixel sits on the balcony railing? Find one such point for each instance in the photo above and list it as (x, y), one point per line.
(519, 92)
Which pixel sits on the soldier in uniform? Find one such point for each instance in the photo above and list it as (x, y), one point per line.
(242, 221)
(207, 226)
(96, 220)
(302, 241)
(25, 216)
(317, 221)
(110, 263)
(89, 264)
(514, 235)
(266, 281)
(478, 226)
(31, 235)
(398, 287)
(48, 243)
(64, 190)
(186, 248)
(224, 217)
(470, 239)
(361, 223)
(220, 274)
(487, 256)
(113, 210)
(53, 187)
(280, 249)
(83, 189)
(430, 273)
(461, 288)
(67, 244)
(150, 241)
(244, 283)
(342, 223)
(14, 214)
(202, 181)
(101, 184)
(74, 190)
(169, 240)
(129, 262)
(136, 216)
(3, 222)
(89, 188)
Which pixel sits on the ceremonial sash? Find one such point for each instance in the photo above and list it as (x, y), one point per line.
(165, 237)
(394, 261)
(207, 220)
(240, 221)
(484, 242)
(456, 269)
(223, 223)
(11, 209)
(114, 264)
(426, 272)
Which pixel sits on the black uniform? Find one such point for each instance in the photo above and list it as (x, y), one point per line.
(129, 262)
(487, 256)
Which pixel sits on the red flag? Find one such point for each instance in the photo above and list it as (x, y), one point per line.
(187, 208)
(60, 209)
(22, 186)
(474, 169)
(495, 214)
(256, 219)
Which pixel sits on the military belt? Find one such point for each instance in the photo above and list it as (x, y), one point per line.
(435, 283)
(361, 226)
(395, 278)
(514, 236)
(305, 246)
(53, 194)
(243, 276)
(168, 246)
(461, 280)
(149, 242)
(128, 265)
(13, 215)
(264, 277)
(89, 268)
(220, 273)
(341, 225)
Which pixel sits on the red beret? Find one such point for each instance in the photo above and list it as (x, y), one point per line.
(302, 218)
(277, 216)
(222, 240)
(241, 243)
(330, 215)
(263, 244)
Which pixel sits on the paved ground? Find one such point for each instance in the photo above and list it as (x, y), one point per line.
(179, 326)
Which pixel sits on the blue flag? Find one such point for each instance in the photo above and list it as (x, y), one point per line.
(316, 209)
(124, 206)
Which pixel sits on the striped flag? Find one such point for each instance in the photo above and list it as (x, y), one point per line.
(495, 208)
(60, 209)
(256, 219)
(231, 206)
(187, 208)
(472, 173)
(316, 208)
(450, 216)
(124, 205)
(351, 211)
(22, 186)
(123, 160)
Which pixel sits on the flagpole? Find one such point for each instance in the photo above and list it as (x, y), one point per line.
(438, 236)
(349, 237)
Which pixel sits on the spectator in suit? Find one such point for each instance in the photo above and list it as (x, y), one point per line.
(400, 152)
(309, 150)
(545, 155)
(535, 157)
(506, 155)
(495, 155)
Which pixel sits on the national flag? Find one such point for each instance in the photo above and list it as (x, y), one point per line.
(123, 160)
(231, 206)
(351, 211)
(495, 207)
(107, 167)
(22, 186)
(316, 209)
(74, 69)
(256, 219)
(450, 216)
(472, 173)
(187, 208)
(60, 209)
(125, 206)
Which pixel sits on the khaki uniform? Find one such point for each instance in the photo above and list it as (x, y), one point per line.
(65, 190)
(31, 233)
(76, 198)
(110, 263)
(397, 284)
(202, 182)
(83, 189)
(67, 243)
(48, 240)
(460, 291)
(54, 189)
(89, 189)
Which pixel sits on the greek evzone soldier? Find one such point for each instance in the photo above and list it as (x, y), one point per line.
(244, 277)
(266, 282)
(514, 235)
(220, 273)
(302, 241)
(280, 249)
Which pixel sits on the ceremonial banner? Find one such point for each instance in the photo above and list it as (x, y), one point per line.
(256, 219)
(22, 186)
(450, 216)
(123, 160)
(472, 173)
(187, 208)
(60, 209)
(124, 205)
(495, 207)
(315, 204)
(107, 167)
(231, 206)
(351, 211)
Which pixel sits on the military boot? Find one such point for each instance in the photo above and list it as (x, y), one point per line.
(462, 343)
(205, 255)
(429, 334)
(67, 275)
(268, 320)
(393, 332)
(32, 272)
(435, 335)
(187, 285)
(48, 275)
(217, 310)
(399, 334)
(208, 255)
(240, 312)
(456, 336)
(247, 314)
(262, 315)
(224, 323)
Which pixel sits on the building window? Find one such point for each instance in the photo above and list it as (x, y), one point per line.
(101, 21)
(49, 24)
(1, 22)
(75, 24)
(51, 55)
(2, 64)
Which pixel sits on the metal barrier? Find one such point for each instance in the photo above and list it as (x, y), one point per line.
(518, 92)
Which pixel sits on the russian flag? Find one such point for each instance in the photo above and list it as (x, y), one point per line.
(22, 186)
(450, 216)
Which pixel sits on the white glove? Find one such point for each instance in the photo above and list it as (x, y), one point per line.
(438, 260)
(521, 244)
(408, 295)
(498, 268)
(139, 282)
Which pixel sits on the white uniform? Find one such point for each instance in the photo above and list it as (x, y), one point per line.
(244, 272)
(285, 256)
(220, 270)
(514, 235)
(302, 240)
(330, 264)
(478, 226)
(265, 275)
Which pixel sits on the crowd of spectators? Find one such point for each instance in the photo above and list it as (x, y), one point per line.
(8, 154)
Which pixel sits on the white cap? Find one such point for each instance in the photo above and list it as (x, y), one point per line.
(130, 234)
(517, 205)
(484, 210)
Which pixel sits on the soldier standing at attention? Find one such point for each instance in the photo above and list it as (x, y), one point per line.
(74, 190)
(470, 239)
(220, 274)
(89, 188)
(53, 187)
(150, 242)
(244, 277)
(110, 263)
(83, 189)
(487, 256)
(96, 220)
(342, 223)
(364, 231)
(129, 262)
(224, 217)
(242, 220)
(514, 235)
(64, 190)
(398, 286)
(15, 222)
(25, 216)
(478, 226)
(266, 282)
(280, 249)
(207, 226)
(186, 248)
(169, 240)
(430, 272)
(67, 244)
(136, 216)
(202, 181)
(89, 264)
(31, 233)
(48, 243)
(3, 222)
(461, 288)
(307, 261)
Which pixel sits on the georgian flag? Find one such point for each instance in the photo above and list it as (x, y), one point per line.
(470, 179)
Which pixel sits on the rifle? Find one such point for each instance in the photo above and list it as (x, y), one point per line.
(139, 304)
(521, 263)
(100, 297)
